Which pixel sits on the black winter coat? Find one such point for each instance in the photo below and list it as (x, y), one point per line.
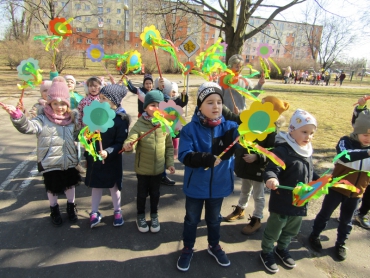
(99, 175)
(253, 171)
(298, 169)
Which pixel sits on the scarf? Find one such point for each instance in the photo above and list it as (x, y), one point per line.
(63, 120)
(148, 118)
(305, 151)
(205, 121)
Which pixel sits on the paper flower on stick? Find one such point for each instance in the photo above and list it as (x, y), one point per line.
(27, 69)
(98, 116)
(88, 139)
(173, 114)
(263, 52)
(188, 67)
(258, 121)
(148, 35)
(227, 79)
(133, 61)
(60, 26)
(95, 52)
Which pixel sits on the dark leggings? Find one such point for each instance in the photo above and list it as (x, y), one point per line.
(365, 205)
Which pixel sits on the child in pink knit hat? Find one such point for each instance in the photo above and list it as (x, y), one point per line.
(57, 157)
(39, 105)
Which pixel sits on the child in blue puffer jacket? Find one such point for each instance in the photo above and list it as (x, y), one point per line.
(201, 140)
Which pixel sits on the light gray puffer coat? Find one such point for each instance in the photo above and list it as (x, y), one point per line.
(56, 149)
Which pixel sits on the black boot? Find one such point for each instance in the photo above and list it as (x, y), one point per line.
(71, 210)
(55, 215)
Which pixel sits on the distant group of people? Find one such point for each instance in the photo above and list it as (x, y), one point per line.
(208, 177)
(314, 78)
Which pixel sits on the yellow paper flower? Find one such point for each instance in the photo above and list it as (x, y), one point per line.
(149, 32)
(258, 121)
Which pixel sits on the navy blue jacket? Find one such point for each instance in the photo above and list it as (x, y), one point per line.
(298, 169)
(198, 147)
(99, 175)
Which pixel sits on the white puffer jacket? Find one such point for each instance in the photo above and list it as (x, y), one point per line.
(56, 149)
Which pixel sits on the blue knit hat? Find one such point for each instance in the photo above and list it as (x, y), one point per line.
(153, 96)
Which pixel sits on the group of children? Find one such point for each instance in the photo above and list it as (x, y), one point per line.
(208, 179)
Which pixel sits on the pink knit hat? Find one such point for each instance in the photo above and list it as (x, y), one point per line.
(59, 91)
(45, 85)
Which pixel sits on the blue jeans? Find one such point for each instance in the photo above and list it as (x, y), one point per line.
(330, 203)
(192, 218)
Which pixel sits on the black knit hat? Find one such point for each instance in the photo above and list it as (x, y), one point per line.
(207, 89)
(115, 93)
(148, 76)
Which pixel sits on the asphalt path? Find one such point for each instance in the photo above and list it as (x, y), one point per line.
(30, 246)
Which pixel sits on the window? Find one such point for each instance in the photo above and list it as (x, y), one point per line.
(293, 35)
(136, 24)
(101, 42)
(87, 7)
(100, 10)
(118, 11)
(108, 10)
(118, 1)
(288, 34)
(78, 7)
(88, 41)
(87, 19)
(254, 49)
(55, 4)
(254, 39)
(136, 45)
(44, 15)
(101, 31)
(79, 40)
(287, 43)
(136, 34)
(99, 1)
(36, 28)
(292, 43)
(213, 36)
(88, 30)
(206, 36)
(118, 22)
(189, 29)
(78, 18)
(180, 28)
(267, 41)
(253, 57)
(108, 20)
(78, 29)
(137, 12)
(277, 51)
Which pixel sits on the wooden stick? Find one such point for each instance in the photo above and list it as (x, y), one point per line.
(225, 151)
(156, 59)
(100, 145)
(142, 136)
(232, 98)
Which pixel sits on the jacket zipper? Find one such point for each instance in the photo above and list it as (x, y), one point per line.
(64, 148)
(210, 181)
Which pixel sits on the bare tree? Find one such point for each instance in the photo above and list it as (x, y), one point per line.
(232, 17)
(336, 36)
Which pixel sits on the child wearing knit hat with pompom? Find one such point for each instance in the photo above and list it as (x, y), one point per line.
(294, 148)
(201, 142)
(354, 168)
(57, 157)
(108, 174)
(249, 166)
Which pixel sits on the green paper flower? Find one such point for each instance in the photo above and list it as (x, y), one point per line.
(98, 116)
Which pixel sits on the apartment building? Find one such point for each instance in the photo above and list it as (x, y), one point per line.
(288, 40)
(117, 24)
